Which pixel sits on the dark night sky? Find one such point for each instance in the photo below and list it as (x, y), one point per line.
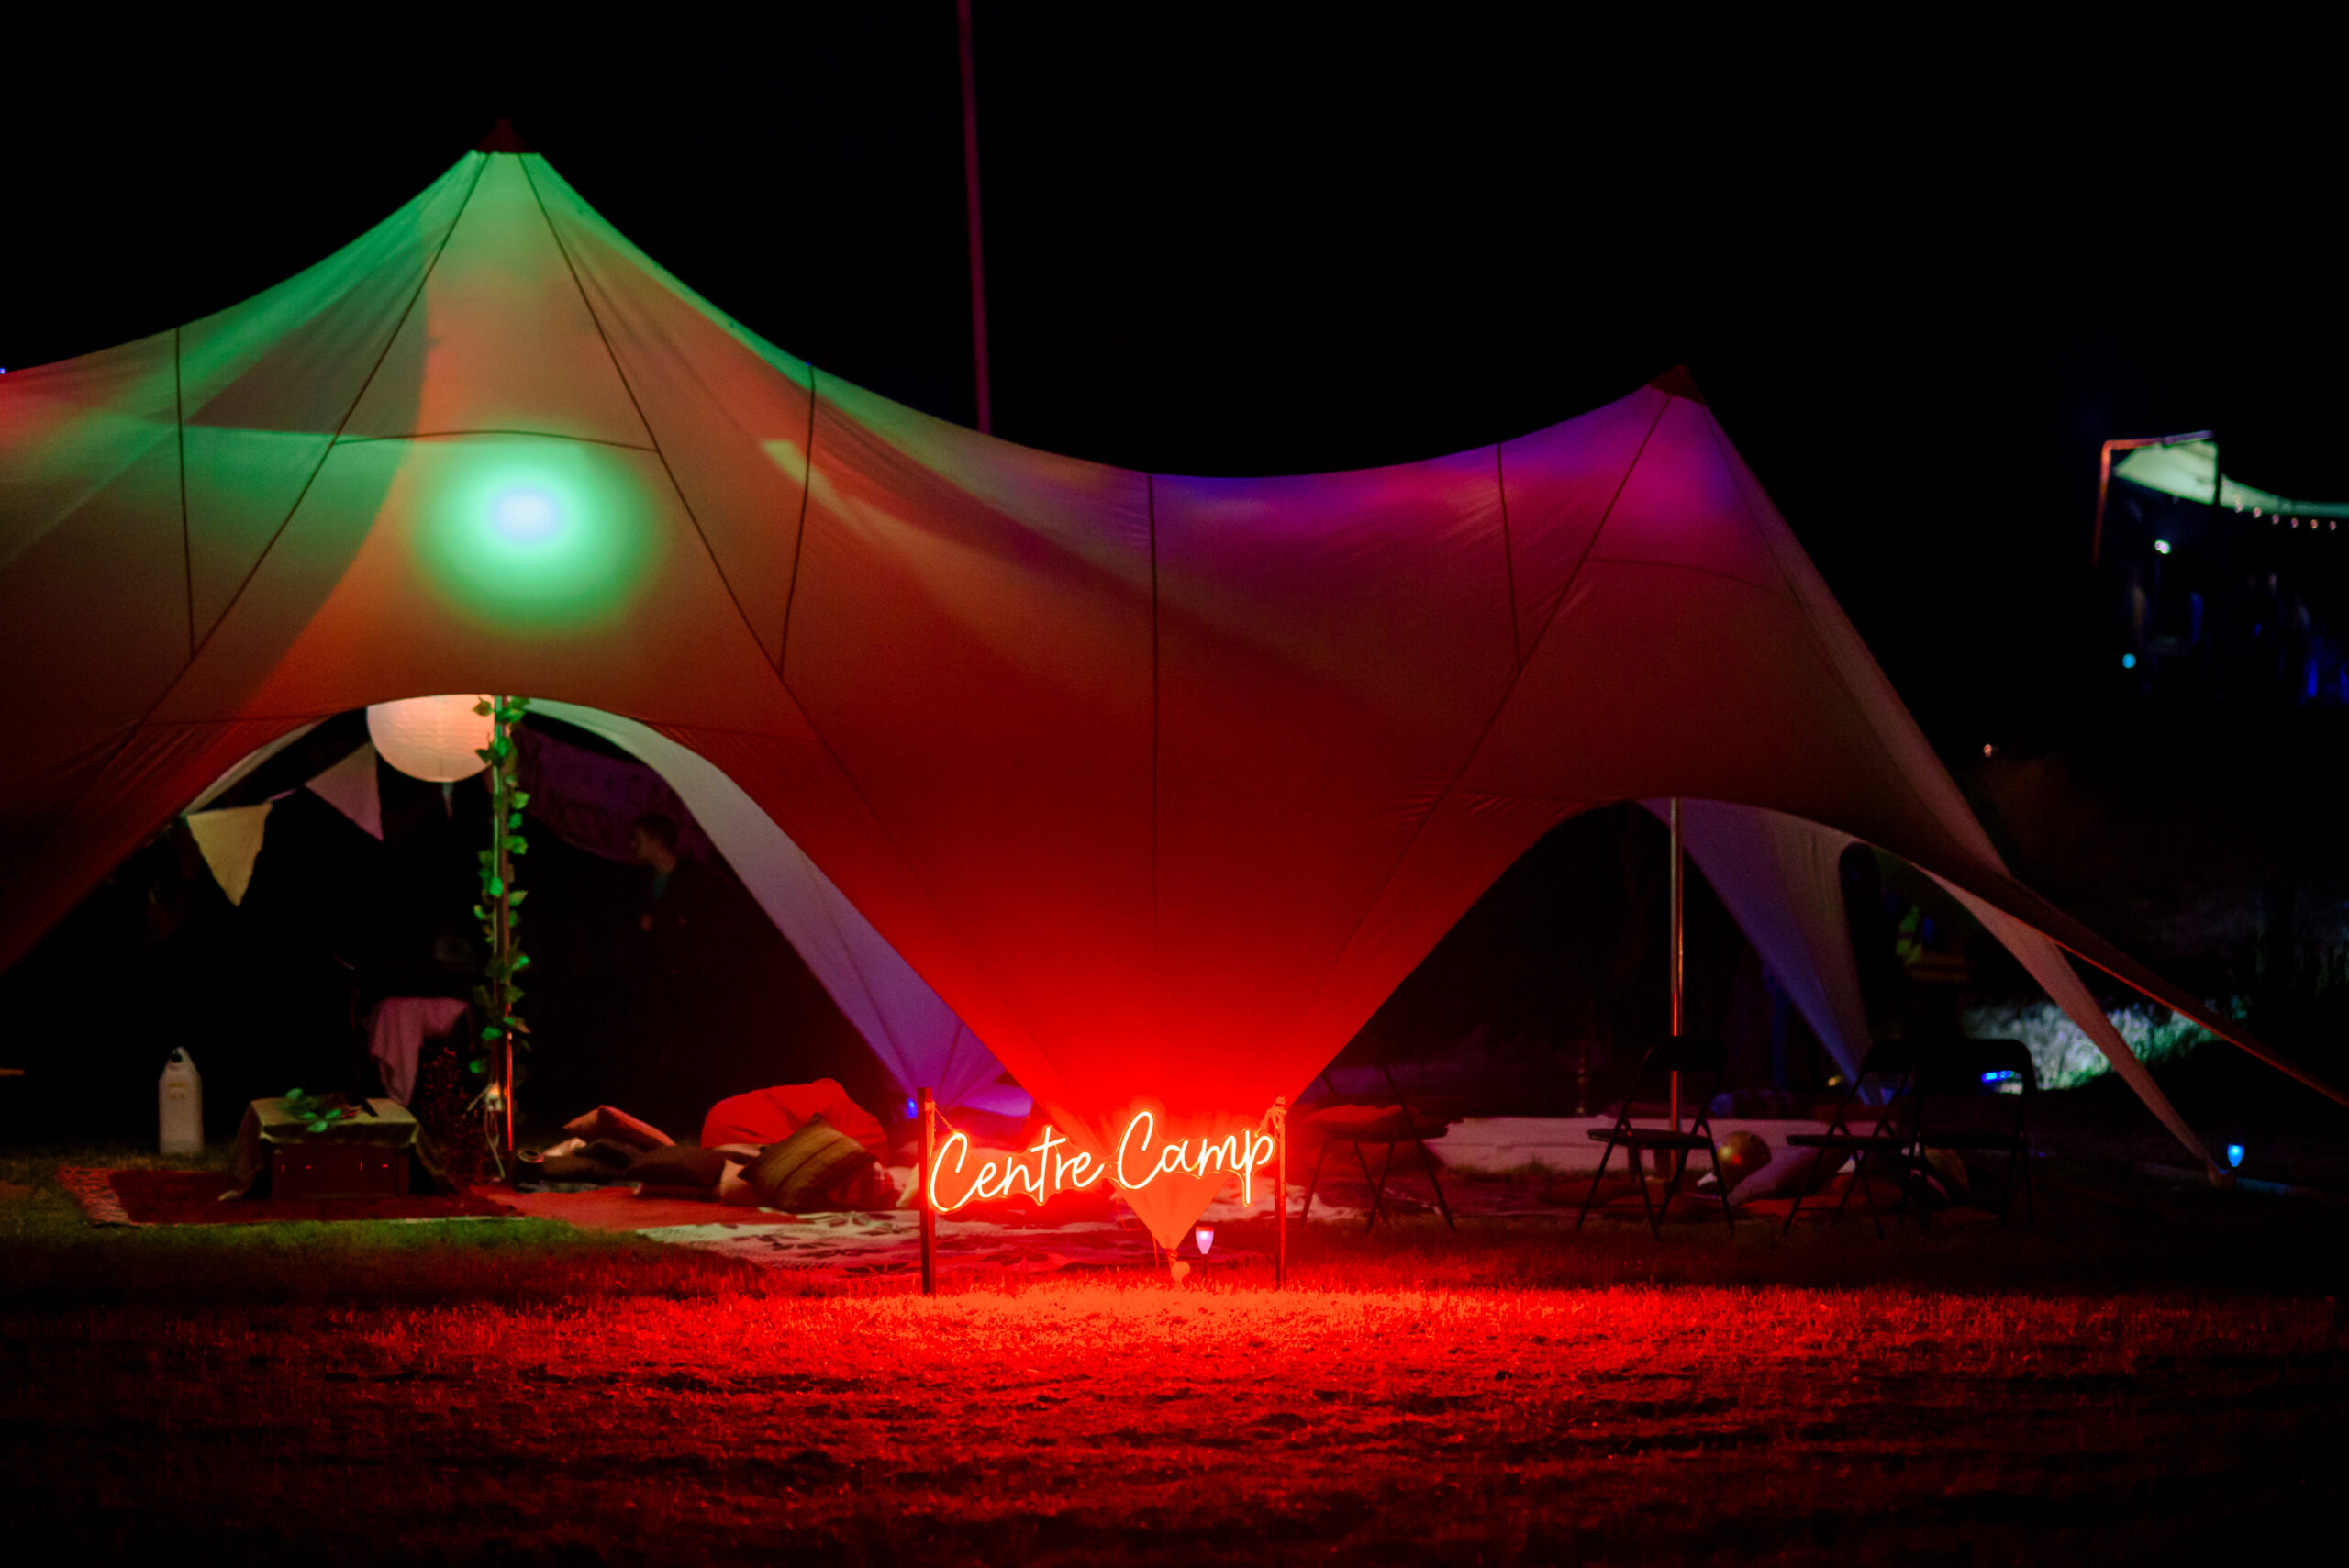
(1920, 277)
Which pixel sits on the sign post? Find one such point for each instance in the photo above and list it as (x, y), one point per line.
(928, 1210)
(1280, 1193)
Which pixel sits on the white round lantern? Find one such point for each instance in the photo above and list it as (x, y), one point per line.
(431, 738)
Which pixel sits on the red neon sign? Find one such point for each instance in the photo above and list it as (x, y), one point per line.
(1135, 1167)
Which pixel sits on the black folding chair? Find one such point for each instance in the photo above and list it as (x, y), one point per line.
(1361, 1125)
(1889, 1069)
(1700, 1064)
(1974, 1096)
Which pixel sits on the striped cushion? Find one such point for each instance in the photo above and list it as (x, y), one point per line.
(797, 1172)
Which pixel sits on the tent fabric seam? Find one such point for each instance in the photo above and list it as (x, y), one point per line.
(41, 847)
(423, 280)
(799, 539)
(1566, 584)
(1468, 759)
(633, 402)
(345, 441)
(1509, 554)
(187, 543)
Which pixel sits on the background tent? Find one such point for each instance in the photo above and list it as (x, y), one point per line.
(1161, 784)
(2189, 470)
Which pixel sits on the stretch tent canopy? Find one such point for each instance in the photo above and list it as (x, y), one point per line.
(2189, 470)
(1161, 784)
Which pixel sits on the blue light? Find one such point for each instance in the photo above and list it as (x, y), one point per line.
(2234, 1156)
(2128, 661)
(1997, 1076)
(525, 517)
(913, 1107)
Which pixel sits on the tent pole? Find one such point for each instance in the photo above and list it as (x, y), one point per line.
(970, 205)
(1280, 1192)
(1678, 950)
(921, 1181)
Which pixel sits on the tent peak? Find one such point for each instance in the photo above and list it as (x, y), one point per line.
(1673, 382)
(503, 137)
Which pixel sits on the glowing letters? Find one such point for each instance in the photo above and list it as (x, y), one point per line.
(1056, 1171)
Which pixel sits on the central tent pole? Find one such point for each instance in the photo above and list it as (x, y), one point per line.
(921, 1184)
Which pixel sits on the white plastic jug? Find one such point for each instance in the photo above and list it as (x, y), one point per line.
(179, 1094)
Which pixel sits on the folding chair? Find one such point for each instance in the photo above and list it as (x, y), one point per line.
(1890, 1069)
(1360, 1125)
(1975, 1096)
(1700, 1064)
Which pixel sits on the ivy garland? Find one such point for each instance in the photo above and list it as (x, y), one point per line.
(500, 909)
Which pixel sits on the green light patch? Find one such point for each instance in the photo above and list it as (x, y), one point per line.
(536, 533)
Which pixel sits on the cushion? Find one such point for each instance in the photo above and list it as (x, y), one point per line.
(696, 1169)
(607, 1121)
(576, 1168)
(769, 1116)
(801, 1170)
(611, 1153)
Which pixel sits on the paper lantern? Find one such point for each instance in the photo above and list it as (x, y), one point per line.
(432, 739)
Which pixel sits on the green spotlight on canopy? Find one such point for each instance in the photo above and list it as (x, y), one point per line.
(531, 532)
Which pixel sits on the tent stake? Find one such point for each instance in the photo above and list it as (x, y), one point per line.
(921, 1181)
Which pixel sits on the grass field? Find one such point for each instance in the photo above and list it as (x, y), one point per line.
(2148, 1379)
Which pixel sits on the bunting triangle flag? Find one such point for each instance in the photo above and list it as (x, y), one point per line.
(350, 787)
(231, 839)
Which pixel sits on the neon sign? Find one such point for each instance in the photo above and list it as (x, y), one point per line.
(1056, 1170)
